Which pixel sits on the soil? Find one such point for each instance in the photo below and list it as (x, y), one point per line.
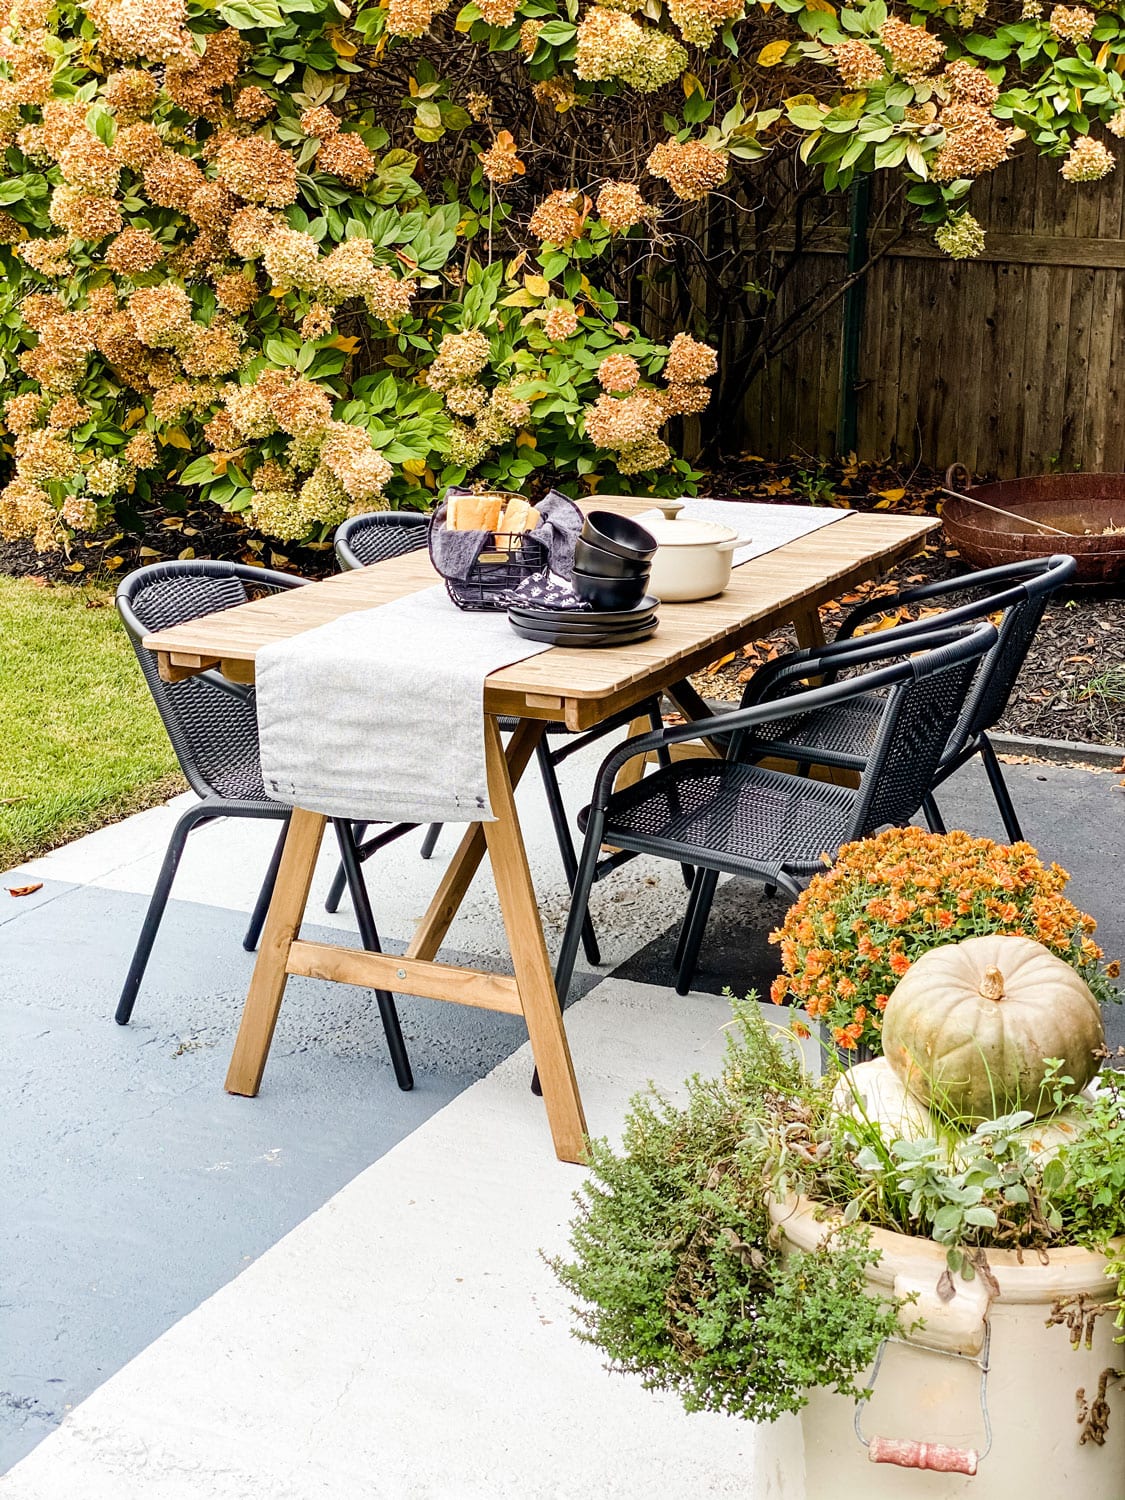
(1072, 686)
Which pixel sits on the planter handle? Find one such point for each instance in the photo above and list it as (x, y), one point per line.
(909, 1453)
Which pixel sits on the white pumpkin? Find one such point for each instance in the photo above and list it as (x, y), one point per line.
(970, 1026)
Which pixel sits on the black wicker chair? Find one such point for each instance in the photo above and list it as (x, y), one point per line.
(373, 538)
(1017, 592)
(213, 727)
(736, 817)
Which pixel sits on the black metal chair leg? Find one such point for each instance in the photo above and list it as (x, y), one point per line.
(1000, 791)
(361, 905)
(432, 834)
(157, 902)
(262, 905)
(565, 842)
(932, 813)
(703, 894)
(340, 879)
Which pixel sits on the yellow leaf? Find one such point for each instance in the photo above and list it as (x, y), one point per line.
(147, 552)
(76, 567)
(340, 44)
(415, 467)
(526, 440)
(111, 564)
(519, 299)
(187, 553)
(691, 85)
(347, 343)
(178, 438)
(795, 99)
(219, 463)
(538, 286)
(823, 5)
(173, 523)
(891, 494)
(135, 416)
(278, 292)
(772, 53)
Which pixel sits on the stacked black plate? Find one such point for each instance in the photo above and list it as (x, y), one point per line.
(585, 627)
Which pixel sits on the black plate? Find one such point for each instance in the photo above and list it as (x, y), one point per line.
(532, 614)
(585, 639)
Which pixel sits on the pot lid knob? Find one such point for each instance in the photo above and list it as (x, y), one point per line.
(670, 508)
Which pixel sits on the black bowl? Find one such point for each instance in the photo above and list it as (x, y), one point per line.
(610, 593)
(614, 533)
(596, 560)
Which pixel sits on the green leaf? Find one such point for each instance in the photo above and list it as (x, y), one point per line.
(199, 471)
(556, 33)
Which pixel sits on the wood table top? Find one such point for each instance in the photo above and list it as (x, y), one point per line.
(578, 686)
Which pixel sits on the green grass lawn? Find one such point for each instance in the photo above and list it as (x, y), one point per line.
(81, 742)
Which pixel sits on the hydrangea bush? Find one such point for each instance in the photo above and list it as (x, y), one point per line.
(315, 259)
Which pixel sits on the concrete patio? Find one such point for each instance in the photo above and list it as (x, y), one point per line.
(336, 1288)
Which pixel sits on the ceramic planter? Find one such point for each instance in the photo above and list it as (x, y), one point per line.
(977, 1363)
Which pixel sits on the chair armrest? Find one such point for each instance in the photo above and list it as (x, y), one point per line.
(989, 579)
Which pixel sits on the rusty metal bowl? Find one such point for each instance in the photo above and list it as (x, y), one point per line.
(1083, 504)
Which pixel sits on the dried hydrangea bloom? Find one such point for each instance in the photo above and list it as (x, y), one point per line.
(322, 499)
(637, 458)
(249, 410)
(171, 180)
(961, 237)
(11, 230)
(253, 104)
(388, 297)
(212, 207)
(479, 105)
(1087, 161)
(914, 52)
(497, 12)
(196, 82)
(974, 143)
(258, 170)
(1116, 124)
(299, 407)
(86, 217)
(221, 434)
(558, 92)
(620, 205)
(37, 308)
(106, 476)
(409, 17)
(278, 513)
(138, 145)
(858, 64)
(348, 455)
(133, 252)
(613, 422)
(460, 356)
(969, 85)
(162, 315)
(689, 361)
(691, 169)
(618, 373)
(346, 155)
(699, 20)
(319, 121)
(557, 221)
(44, 458)
(529, 37)
(317, 322)
(500, 163)
(466, 400)
(1030, 10)
(658, 61)
(63, 119)
(1071, 23)
(291, 258)
(141, 451)
(153, 29)
(25, 507)
(22, 413)
(80, 512)
(216, 350)
(67, 414)
(504, 413)
(561, 322)
(236, 292)
(89, 164)
(249, 232)
(464, 446)
(117, 342)
(606, 41)
(685, 399)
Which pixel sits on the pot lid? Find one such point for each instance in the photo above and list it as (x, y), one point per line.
(689, 533)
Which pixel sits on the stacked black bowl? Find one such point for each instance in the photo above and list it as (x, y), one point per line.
(612, 563)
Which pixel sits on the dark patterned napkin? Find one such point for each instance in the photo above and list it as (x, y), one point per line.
(546, 590)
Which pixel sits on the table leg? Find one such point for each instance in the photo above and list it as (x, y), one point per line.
(809, 627)
(530, 963)
(283, 923)
(454, 885)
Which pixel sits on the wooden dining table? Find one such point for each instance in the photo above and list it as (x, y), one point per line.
(579, 688)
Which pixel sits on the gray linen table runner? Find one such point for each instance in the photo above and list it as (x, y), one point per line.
(767, 526)
(378, 716)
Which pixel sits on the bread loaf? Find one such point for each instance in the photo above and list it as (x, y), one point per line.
(473, 512)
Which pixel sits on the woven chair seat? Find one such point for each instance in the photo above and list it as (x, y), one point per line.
(731, 816)
(847, 729)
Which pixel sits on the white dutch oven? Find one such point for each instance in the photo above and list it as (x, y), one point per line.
(693, 558)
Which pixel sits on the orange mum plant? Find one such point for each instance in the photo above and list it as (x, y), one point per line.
(856, 930)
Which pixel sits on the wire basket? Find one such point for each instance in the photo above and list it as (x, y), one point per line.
(505, 562)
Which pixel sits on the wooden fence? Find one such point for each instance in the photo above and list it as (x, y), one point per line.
(1011, 364)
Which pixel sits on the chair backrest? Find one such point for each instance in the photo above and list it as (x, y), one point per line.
(213, 729)
(363, 540)
(917, 722)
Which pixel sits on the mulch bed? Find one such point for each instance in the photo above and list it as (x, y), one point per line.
(1072, 686)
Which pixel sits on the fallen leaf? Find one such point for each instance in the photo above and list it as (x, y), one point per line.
(25, 890)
